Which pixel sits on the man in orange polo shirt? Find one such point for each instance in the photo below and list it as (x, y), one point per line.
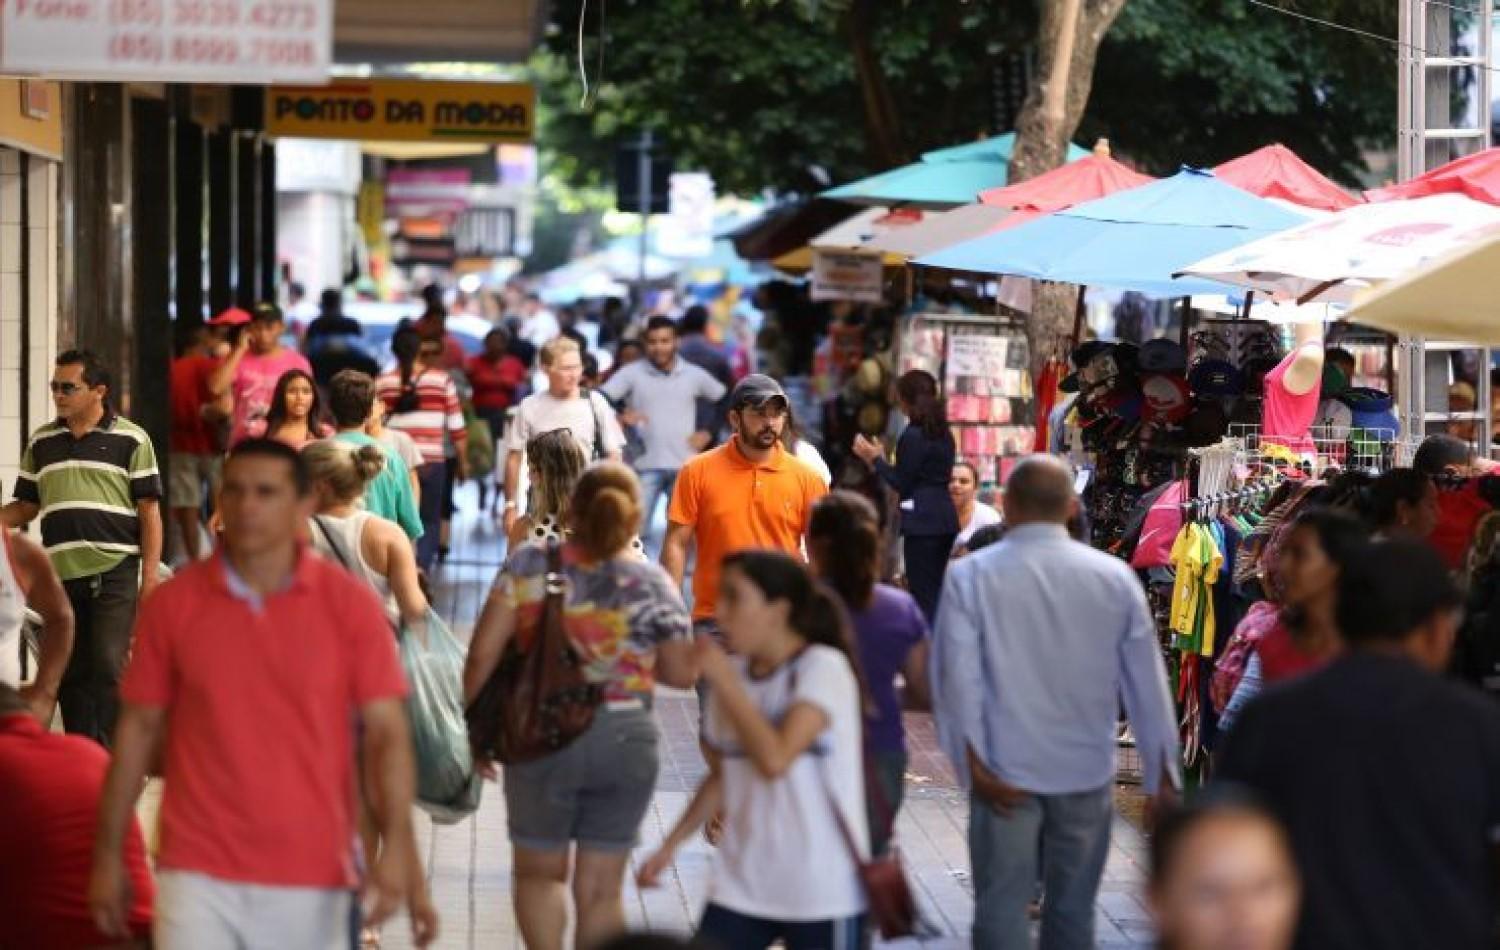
(747, 493)
(252, 671)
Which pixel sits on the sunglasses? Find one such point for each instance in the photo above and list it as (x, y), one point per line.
(65, 389)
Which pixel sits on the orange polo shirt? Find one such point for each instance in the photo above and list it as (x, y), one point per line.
(733, 504)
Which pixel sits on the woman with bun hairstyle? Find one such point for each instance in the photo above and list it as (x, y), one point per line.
(371, 548)
(784, 750)
(843, 547)
(582, 806)
(920, 474)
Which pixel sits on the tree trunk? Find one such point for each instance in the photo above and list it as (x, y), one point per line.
(1068, 39)
(883, 138)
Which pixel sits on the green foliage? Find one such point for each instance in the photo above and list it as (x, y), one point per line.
(762, 92)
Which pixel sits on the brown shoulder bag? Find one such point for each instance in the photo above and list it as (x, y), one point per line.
(537, 700)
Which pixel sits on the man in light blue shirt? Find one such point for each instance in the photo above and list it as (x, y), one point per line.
(661, 394)
(1037, 639)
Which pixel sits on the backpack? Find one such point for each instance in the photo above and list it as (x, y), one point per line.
(1229, 668)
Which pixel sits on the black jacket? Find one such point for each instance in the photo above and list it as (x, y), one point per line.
(921, 473)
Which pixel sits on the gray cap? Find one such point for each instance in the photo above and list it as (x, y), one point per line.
(755, 390)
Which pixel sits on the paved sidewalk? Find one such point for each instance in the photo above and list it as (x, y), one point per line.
(469, 863)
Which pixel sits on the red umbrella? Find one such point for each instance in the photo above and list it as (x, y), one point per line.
(1074, 183)
(1476, 176)
(1276, 172)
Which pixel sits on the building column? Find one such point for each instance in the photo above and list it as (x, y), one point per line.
(151, 265)
(187, 184)
(270, 263)
(220, 221)
(247, 214)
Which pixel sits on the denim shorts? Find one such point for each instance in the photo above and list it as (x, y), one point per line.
(595, 791)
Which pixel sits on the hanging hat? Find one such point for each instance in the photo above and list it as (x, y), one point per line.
(1163, 356)
(1167, 397)
(1216, 378)
(1205, 425)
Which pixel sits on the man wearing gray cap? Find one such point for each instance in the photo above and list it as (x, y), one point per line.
(749, 493)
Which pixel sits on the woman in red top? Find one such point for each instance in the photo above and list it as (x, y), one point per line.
(494, 376)
(1320, 543)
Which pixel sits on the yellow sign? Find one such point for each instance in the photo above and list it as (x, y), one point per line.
(402, 110)
(31, 117)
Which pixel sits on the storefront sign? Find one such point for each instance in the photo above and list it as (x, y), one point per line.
(401, 110)
(31, 117)
(213, 41)
(847, 275)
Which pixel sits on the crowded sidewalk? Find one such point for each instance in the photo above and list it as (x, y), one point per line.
(469, 867)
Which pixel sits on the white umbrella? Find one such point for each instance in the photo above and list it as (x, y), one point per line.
(870, 223)
(939, 230)
(1331, 259)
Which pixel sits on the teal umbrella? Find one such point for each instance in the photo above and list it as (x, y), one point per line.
(942, 179)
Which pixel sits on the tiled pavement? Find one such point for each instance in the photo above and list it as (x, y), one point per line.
(469, 863)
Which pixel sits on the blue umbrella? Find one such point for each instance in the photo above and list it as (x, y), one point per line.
(1131, 240)
(943, 178)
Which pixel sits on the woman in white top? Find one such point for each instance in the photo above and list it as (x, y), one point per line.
(973, 514)
(27, 579)
(785, 750)
(369, 547)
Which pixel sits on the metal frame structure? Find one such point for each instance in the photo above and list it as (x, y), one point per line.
(1427, 67)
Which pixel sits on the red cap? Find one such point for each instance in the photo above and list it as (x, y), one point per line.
(232, 317)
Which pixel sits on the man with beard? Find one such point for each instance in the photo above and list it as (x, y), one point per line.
(748, 493)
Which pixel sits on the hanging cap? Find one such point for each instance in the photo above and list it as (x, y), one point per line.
(1163, 356)
(233, 317)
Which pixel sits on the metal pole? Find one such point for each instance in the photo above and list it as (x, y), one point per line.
(643, 193)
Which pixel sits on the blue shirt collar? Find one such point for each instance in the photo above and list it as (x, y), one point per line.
(1036, 531)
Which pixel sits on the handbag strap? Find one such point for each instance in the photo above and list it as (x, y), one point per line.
(599, 452)
(845, 831)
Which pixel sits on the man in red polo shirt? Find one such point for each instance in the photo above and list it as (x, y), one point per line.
(252, 669)
(51, 786)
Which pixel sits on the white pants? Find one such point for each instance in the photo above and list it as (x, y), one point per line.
(198, 912)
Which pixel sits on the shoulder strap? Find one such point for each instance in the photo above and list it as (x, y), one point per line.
(338, 549)
(599, 451)
(845, 832)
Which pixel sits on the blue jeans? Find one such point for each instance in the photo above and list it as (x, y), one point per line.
(1069, 836)
(655, 483)
(432, 477)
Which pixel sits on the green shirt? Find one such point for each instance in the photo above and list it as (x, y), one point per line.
(87, 490)
(389, 494)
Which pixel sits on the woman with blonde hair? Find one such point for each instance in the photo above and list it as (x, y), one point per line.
(582, 806)
(372, 549)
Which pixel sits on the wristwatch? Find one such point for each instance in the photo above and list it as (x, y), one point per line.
(509, 505)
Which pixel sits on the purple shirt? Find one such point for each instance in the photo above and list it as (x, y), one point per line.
(886, 631)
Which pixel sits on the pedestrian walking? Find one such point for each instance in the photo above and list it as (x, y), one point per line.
(1222, 876)
(1392, 809)
(564, 405)
(891, 637)
(256, 728)
(370, 547)
(251, 371)
(91, 477)
(296, 414)
(748, 493)
(28, 580)
(390, 494)
(496, 376)
(973, 514)
(399, 442)
(924, 466)
(334, 342)
(554, 463)
(784, 753)
(1403, 503)
(52, 786)
(421, 399)
(193, 443)
(803, 450)
(661, 395)
(1038, 639)
(582, 806)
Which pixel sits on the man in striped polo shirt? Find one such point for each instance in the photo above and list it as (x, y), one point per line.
(91, 475)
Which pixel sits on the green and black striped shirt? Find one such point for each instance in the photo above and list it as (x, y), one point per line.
(88, 489)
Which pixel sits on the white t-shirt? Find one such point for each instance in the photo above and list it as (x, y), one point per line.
(12, 614)
(809, 456)
(783, 856)
(544, 412)
(983, 517)
(404, 447)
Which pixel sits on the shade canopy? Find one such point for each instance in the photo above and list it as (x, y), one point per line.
(1475, 176)
(941, 229)
(787, 227)
(943, 178)
(1135, 239)
(1091, 177)
(1451, 298)
(1331, 259)
(1275, 171)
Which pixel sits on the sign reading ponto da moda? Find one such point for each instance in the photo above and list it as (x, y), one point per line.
(210, 41)
(403, 110)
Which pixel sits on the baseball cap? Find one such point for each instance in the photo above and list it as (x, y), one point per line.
(1167, 398)
(757, 389)
(233, 317)
(267, 313)
(1162, 356)
(1216, 378)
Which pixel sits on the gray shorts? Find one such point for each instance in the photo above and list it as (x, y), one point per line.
(595, 791)
(189, 476)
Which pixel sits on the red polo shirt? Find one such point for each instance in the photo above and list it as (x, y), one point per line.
(49, 793)
(261, 704)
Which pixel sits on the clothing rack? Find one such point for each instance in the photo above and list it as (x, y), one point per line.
(1205, 504)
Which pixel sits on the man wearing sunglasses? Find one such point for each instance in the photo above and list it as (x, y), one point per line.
(91, 476)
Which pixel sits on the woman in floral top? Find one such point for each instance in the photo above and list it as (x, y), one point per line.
(583, 805)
